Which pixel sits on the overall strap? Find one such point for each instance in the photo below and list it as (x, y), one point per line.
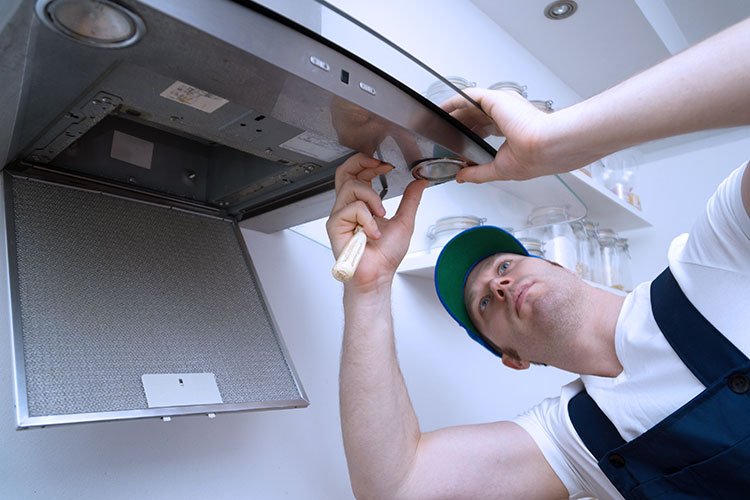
(704, 350)
(701, 347)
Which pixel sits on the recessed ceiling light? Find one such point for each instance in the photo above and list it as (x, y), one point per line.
(100, 23)
(560, 9)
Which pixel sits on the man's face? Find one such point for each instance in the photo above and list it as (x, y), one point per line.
(524, 305)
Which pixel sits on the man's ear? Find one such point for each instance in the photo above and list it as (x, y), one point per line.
(515, 363)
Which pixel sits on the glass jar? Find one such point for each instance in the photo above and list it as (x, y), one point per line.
(439, 92)
(623, 264)
(610, 268)
(589, 251)
(550, 226)
(583, 260)
(446, 228)
(533, 246)
(545, 106)
(515, 87)
(619, 174)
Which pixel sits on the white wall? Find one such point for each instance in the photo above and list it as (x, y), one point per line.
(279, 454)
(674, 185)
(298, 453)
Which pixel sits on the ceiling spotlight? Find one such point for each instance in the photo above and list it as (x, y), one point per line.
(560, 9)
(99, 23)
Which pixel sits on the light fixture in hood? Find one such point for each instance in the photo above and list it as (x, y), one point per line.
(99, 23)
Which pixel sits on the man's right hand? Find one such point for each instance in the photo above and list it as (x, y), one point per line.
(358, 204)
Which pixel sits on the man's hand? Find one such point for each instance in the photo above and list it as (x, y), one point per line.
(358, 204)
(524, 126)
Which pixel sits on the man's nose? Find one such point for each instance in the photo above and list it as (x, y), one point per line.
(501, 286)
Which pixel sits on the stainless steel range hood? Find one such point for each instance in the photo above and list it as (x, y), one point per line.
(222, 104)
(129, 171)
(130, 166)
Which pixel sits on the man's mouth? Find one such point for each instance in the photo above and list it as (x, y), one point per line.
(521, 296)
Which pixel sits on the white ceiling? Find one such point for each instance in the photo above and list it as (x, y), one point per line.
(605, 42)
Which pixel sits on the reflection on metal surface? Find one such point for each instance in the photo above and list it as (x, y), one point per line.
(438, 169)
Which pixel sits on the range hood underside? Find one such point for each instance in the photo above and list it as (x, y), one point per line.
(234, 115)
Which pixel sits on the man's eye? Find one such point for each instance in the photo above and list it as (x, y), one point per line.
(483, 303)
(504, 265)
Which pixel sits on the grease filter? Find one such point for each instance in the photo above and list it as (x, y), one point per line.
(112, 294)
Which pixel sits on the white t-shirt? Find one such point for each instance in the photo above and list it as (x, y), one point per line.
(712, 266)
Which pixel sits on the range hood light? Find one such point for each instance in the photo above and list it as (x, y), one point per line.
(99, 23)
(437, 170)
(561, 9)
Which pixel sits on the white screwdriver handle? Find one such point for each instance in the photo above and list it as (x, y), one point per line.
(349, 259)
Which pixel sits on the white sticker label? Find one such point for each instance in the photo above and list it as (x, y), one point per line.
(131, 149)
(180, 389)
(193, 97)
(316, 146)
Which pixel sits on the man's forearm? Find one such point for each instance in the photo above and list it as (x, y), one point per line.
(704, 87)
(380, 429)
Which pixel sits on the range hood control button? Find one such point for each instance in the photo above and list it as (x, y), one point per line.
(320, 63)
(367, 88)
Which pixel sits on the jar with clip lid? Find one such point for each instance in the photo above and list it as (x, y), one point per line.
(446, 228)
(545, 106)
(438, 92)
(610, 269)
(533, 246)
(550, 226)
(589, 251)
(623, 264)
(512, 86)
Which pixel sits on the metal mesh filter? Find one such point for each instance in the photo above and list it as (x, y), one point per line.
(110, 289)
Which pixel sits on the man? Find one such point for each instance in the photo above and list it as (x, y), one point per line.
(635, 430)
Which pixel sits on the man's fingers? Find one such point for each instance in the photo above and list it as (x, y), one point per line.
(407, 209)
(360, 167)
(478, 174)
(357, 190)
(342, 224)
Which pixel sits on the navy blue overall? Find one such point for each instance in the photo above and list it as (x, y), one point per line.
(700, 451)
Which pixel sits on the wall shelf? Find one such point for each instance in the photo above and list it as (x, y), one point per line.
(422, 265)
(604, 206)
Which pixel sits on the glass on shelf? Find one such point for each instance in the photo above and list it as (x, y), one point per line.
(589, 251)
(551, 225)
(438, 92)
(446, 228)
(533, 246)
(513, 86)
(545, 106)
(618, 174)
(623, 264)
(610, 275)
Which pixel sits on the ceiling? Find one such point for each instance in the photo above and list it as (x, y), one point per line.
(603, 43)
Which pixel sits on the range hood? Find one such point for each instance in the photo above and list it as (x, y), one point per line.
(133, 157)
(226, 105)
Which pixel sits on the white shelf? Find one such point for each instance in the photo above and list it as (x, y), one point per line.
(422, 264)
(604, 206)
